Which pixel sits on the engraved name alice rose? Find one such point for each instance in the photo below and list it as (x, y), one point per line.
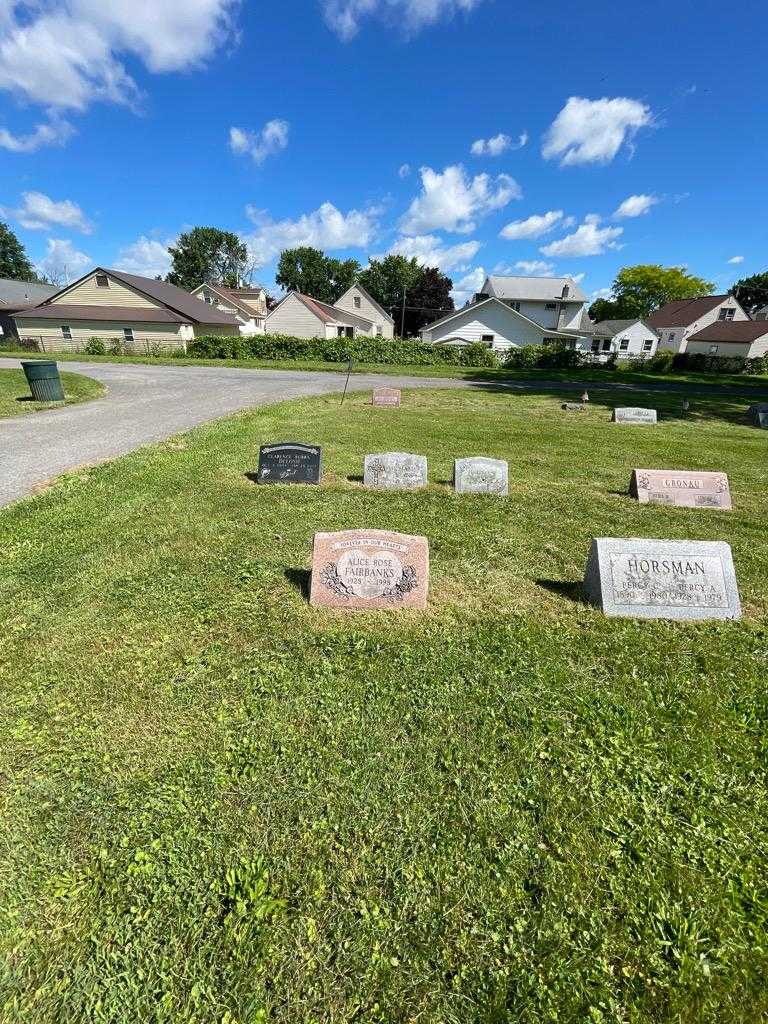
(369, 573)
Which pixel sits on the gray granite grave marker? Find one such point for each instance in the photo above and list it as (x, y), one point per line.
(634, 414)
(754, 412)
(684, 488)
(662, 579)
(481, 476)
(395, 471)
(573, 406)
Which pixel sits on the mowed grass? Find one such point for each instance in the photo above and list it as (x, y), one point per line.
(220, 804)
(16, 398)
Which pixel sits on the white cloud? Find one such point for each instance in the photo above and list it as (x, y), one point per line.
(38, 212)
(55, 133)
(63, 263)
(452, 201)
(534, 268)
(601, 293)
(344, 17)
(593, 131)
(467, 286)
(272, 138)
(577, 278)
(589, 239)
(430, 251)
(736, 259)
(68, 53)
(635, 206)
(536, 225)
(498, 144)
(324, 228)
(146, 257)
(404, 171)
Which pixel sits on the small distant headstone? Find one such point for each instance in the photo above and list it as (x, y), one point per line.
(573, 406)
(762, 420)
(396, 471)
(689, 489)
(481, 476)
(662, 579)
(386, 396)
(754, 412)
(289, 462)
(634, 414)
(369, 569)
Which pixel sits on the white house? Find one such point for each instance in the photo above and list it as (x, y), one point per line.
(357, 300)
(761, 314)
(629, 339)
(512, 312)
(301, 316)
(677, 321)
(116, 307)
(724, 338)
(247, 305)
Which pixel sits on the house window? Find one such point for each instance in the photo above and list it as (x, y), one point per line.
(102, 281)
(488, 338)
(127, 334)
(727, 313)
(607, 345)
(671, 337)
(515, 306)
(624, 344)
(379, 330)
(66, 333)
(357, 301)
(713, 350)
(345, 332)
(595, 345)
(550, 305)
(648, 345)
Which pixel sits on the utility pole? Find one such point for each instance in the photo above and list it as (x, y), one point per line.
(402, 318)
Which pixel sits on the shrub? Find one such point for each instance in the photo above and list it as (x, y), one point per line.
(527, 356)
(478, 354)
(660, 362)
(95, 347)
(555, 355)
(116, 347)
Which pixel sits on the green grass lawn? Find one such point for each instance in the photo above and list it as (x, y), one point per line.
(584, 373)
(223, 806)
(16, 400)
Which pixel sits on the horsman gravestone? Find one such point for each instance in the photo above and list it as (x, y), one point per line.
(688, 489)
(369, 569)
(662, 579)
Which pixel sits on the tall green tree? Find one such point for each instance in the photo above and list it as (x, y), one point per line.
(308, 270)
(397, 281)
(14, 263)
(428, 301)
(639, 290)
(207, 255)
(752, 292)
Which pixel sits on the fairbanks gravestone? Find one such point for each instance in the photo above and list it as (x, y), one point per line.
(689, 489)
(390, 397)
(289, 462)
(369, 570)
(634, 414)
(395, 471)
(662, 579)
(481, 476)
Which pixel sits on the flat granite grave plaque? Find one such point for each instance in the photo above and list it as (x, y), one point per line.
(395, 471)
(289, 462)
(755, 412)
(573, 406)
(386, 396)
(369, 569)
(634, 414)
(662, 579)
(684, 488)
(481, 476)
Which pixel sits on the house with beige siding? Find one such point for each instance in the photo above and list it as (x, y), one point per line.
(135, 312)
(358, 301)
(18, 295)
(677, 321)
(247, 305)
(724, 338)
(301, 316)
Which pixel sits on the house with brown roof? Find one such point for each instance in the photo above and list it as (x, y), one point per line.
(136, 312)
(247, 305)
(724, 338)
(676, 321)
(301, 316)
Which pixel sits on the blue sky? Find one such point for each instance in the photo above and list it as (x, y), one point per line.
(603, 135)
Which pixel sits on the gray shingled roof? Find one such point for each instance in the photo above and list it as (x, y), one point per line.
(18, 294)
(537, 289)
(615, 326)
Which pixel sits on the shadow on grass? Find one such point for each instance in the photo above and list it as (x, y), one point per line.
(573, 591)
(252, 476)
(356, 478)
(25, 398)
(300, 580)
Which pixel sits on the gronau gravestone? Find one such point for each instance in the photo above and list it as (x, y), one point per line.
(386, 396)
(481, 476)
(633, 414)
(289, 462)
(680, 487)
(662, 579)
(369, 570)
(395, 471)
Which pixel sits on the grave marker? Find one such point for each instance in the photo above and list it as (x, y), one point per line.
(662, 579)
(684, 488)
(481, 476)
(386, 397)
(573, 407)
(395, 471)
(762, 420)
(369, 570)
(634, 414)
(755, 412)
(289, 462)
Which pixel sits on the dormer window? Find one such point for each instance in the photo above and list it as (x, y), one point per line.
(357, 302)
(566, 291)
(102, 281)
(727, 313)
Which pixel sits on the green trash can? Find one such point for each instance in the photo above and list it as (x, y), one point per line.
(43, 379)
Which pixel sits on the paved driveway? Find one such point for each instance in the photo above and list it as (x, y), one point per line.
(147, 403)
